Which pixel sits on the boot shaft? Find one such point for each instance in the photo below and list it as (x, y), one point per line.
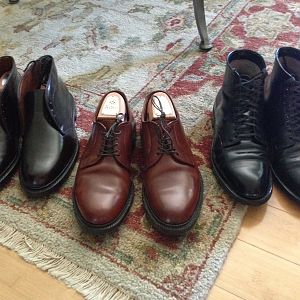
(282, 93)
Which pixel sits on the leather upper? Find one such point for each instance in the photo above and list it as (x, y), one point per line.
(171, 181)
(103, 182)
(50, 140)
(182, 155)
(9, 115)
(283, 117)
(239, 144)
(58, 100)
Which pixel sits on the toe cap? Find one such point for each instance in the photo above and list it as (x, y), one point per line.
(249, 178)
(100, 200)
(173, 197)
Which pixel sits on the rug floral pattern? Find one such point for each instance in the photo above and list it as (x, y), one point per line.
(140, 46)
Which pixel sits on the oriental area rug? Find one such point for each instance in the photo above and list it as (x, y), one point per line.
(136, 46)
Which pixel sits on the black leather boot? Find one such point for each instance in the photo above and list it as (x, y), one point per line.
(10, 141)
(283, 111)
(50, 143)
(239, 153)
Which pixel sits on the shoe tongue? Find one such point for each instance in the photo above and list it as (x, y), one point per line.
(245, 77)
(108, 123)
(158, 121)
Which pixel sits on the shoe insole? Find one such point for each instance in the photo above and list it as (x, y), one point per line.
(245, 67)
(161, 98)
(3, 80)
(291, 65)
(112, 105)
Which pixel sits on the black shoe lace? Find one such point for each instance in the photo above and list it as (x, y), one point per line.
(165, 139)
(248, 109)
(292, 108)
(110, 144)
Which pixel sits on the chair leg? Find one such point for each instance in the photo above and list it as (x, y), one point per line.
(201, 24)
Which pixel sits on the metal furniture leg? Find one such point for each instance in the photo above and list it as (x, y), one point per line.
(201, 24)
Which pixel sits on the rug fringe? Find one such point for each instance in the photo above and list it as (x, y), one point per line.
(89, 285)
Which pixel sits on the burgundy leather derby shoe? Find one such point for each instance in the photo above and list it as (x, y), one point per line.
(172, 185)
(103, 190)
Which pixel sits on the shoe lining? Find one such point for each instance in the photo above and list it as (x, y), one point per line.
(245, 67)
(291, 65)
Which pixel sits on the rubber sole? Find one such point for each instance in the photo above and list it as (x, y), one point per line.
(173, 229)
(56, 183)
(105, 228)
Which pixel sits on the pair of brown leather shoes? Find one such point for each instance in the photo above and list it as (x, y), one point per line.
(172, 185)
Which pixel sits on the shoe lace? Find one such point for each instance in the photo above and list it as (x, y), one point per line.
(110, 144)
(248, 109)
(292, 108)
(165, 139)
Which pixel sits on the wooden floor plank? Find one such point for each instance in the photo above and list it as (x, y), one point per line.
(252, 273)
(10, 269)
(273, 230)
(21, 278)
(282, 201)
(218, 293)
(37, 286)
(8, 293)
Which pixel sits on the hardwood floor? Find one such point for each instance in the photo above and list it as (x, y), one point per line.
(264, 262)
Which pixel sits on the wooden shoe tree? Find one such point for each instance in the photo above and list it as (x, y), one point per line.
(112, 105)
(167, 107)
(3, 80)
